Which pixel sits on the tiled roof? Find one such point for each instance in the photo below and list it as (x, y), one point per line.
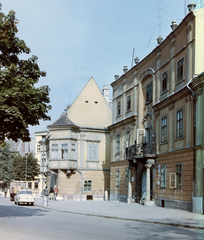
(63, 120)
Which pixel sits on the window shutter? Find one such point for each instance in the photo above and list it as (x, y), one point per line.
(172, 180)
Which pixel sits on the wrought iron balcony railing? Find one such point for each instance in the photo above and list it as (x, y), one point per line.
(140, 150)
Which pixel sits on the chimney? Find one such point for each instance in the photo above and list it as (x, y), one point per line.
(136, 60)
(191, 7)
(125, 69)
(116, 77)
(173, 25)
(105, 92)
(159, 40)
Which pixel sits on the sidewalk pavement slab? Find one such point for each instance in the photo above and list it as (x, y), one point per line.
(125, 211)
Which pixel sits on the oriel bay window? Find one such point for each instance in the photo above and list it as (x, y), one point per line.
(64, 151)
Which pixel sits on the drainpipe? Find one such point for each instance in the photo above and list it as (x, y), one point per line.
(194, 126)
(78, 159)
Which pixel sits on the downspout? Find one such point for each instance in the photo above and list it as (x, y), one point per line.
(78, 160)
(194, 128)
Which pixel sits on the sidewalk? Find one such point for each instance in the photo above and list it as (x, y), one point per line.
(125, 211)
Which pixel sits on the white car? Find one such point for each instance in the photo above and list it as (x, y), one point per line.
(24, 196)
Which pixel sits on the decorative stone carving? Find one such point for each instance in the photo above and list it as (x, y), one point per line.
(171, 106)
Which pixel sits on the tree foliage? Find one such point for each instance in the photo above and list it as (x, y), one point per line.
(19, 167)
(21, 103)
(6, 159)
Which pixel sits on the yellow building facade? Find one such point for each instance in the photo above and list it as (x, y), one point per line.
(153, 130)
(79, 147)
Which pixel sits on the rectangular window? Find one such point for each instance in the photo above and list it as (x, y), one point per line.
(117, 178)
(129, 103)
(164, 81)
(36, 185)
(179, 124)
(87, 185)
(54, 151)
(163, 176)
(29, 185)
(64, 151)
(128, 139)
(172, 180)
(93, 151)
(118, 143)
(179, 175)
(164, 130)
(38, 148)
(118, 108)
(73, 151)
(149, 136)
(149, 93)
(180, 69)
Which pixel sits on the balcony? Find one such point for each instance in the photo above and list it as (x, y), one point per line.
(141, 150)
(61, 164)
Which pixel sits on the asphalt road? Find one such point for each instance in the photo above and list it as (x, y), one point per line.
(32, 222)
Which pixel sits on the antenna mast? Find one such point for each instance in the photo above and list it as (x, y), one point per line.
(159, 15)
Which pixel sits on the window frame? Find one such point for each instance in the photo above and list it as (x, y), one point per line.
(117, 177)
(29, 185)
(117, 143)
(149, 89)
(64, 151)
(163, 173)
(180, 69)
(164, 129)
(179, 124)
(164, 81)
(93, 151)
(87, 185)
(54, 148)
(118, 113)
(179, 175)
(128, 103)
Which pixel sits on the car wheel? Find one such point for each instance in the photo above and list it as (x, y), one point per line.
(18, 203)
(32, 204)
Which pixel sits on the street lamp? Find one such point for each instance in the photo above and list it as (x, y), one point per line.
(26, 156)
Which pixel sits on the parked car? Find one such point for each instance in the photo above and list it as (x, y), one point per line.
(24, 196)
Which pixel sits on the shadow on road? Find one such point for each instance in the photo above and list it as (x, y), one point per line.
(21, 211)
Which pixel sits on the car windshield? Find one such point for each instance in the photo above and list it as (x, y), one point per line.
(25, 192)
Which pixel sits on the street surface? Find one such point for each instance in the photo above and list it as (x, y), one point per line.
(32, 222)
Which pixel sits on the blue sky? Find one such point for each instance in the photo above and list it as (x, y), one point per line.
(77, 39)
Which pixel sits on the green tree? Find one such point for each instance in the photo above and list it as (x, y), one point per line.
(6, 159)
(19, 167)
(21, 103)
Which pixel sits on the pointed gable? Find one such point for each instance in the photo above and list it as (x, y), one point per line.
(90, 109)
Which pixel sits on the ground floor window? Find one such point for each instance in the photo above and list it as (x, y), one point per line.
(36, 185)
(117, 178)
(126, 177)
(29, 185)
(163, 176)
(87, 185)
(179, 175)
